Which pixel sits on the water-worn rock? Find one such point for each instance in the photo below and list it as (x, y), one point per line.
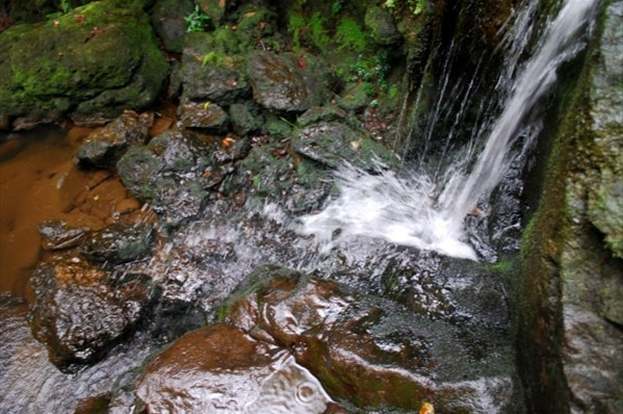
(167, 17)
(213, 68)
(119, 243)
(381, 24)
(90, 63)
(372, 351)
(206, 116)
(80, 311)
(173, 173)
(332, 143)
(104, 147)
(221, 369)
(287, 82)
(572, 277)
(245, 118)
(56, 235)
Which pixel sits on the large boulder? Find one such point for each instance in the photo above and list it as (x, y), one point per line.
(570, 334)
(90, 63)
(173, 173)
(80, 310)
(287, 82)
(372, 351)
(168, 18)
(104, 147)
(221, 369)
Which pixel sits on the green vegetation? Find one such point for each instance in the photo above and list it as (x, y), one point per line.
(415, 6)
(196, 21)
(350, 36)
(296, 23)
(65, 6)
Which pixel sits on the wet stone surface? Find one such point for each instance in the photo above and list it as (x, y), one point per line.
(221, 369)
(81, 310)
(104, 147)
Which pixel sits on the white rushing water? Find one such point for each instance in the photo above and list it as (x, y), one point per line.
(428, 213)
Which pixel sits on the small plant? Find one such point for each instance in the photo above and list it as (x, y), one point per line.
(196, 21)
(349, 35)
(296, 23)
(415, 6)
(66, 6)
(318, 32)
(337, 6)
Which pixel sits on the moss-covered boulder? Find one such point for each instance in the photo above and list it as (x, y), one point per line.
(287, 82)
(168, 18)
(572, 278)
(334, 143)
(91, 64)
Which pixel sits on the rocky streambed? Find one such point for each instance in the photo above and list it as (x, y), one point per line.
(173, 276)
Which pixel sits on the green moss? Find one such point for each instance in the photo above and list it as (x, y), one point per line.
(349, 35)
(318, 32)
(296, 23)
(98, 50)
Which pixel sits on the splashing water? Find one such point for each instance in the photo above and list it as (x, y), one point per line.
(419, 211)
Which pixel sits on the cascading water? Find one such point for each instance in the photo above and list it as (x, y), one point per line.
(427, 211)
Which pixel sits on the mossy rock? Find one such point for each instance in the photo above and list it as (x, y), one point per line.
(168, 19)
(91, 63)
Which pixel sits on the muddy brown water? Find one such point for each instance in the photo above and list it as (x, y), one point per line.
(39, 182)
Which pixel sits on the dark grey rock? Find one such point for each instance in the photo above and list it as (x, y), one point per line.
(119, 243)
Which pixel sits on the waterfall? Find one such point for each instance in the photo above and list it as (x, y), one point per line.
(427, 210)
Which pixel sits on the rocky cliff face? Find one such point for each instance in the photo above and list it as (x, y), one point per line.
(570, 332)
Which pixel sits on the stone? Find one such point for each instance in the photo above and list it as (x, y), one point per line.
(285, 82)
(206, 116)
(571, 293)
(357, 344)
(79, 312)
(355, 97)
(381, 24)
(119, 243)
(56, 235)
(333, 143)
(321, 113)
(168, 19)
(174, 173)
(245, 118)
(214, 9)
(104, 147)
(220, 369)
(213, 68)
(93, 63)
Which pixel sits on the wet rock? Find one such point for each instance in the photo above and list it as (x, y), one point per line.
(357, 345)
(57, 235)
(214, 9)
(168, 20)
(286, 82)
(92, 63)
(381, 24)
(174, 173)
(606, 208)
(333, 143)
(355, 97)
(80, 311)
(213, 70)
(245, 118)
(94, 405)
(119, 243)
(321, 113)
(572, 277)
(222, 369)
(104, 147)
(206, 116)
